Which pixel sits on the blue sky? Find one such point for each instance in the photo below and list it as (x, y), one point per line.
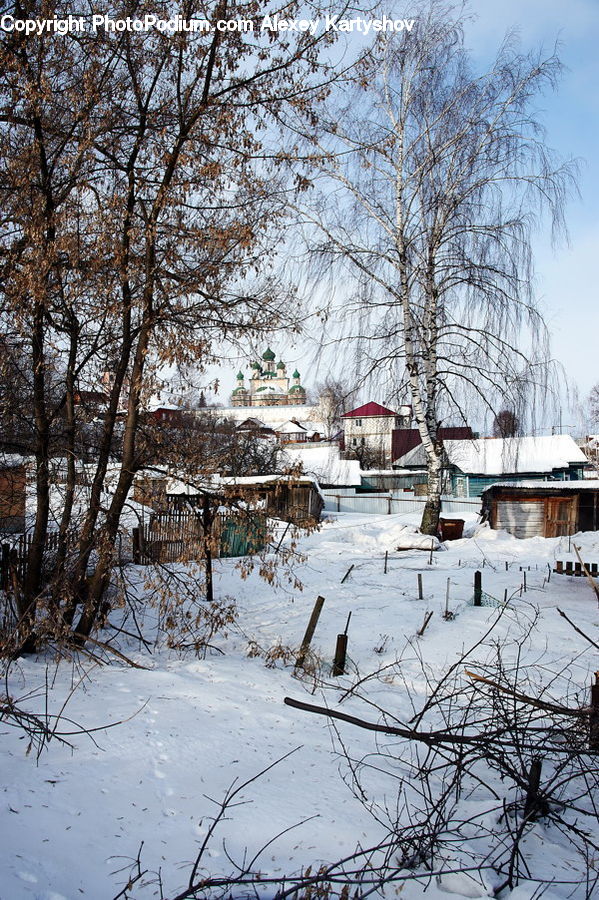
(568, 277)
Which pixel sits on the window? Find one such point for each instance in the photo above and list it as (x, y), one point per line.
(358, 422)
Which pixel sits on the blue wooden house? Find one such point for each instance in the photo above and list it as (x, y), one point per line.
(471, 466)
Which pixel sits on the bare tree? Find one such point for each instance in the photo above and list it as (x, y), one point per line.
(506, 424)
(334, 397)
(434, 177)
(141, 238)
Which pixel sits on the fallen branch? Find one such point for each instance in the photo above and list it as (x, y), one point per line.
(431, 738)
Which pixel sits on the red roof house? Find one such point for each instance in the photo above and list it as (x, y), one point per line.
(367, 410)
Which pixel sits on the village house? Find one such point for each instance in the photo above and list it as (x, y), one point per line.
(371, 426)
(471, 466)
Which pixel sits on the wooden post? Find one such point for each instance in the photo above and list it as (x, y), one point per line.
(305, 645)
(347, 573)
(428, 616)
(386, 558)
(478, 589)
(549, 575)
(532, 807)
(524, 582)
(430, 562)
(136, 545)
(506, 565)
(505, 597)
(340, 655)
(420, 586)
(447, 613)
(594, 716)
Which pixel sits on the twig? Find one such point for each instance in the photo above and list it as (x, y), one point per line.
(577, 629)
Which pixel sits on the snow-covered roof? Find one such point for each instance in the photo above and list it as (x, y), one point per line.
(213, 482)
(580, 485)
(270, 389)
(270, 415)
(324, 463)
(500, 456)
(290, 428)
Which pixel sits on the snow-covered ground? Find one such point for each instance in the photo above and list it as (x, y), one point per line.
(74, 820)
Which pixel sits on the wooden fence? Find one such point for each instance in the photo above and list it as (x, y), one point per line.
(14, 556)
(180, 536)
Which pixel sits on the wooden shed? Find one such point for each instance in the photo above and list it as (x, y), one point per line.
(542, 509)
(294, 499)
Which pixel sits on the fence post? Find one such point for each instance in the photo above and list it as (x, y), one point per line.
(532, 805)
(340, 655)
(478, 588)
(207, 518)
(305, 645)
(136, 545)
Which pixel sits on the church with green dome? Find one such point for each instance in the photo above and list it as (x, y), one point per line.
(269, 385)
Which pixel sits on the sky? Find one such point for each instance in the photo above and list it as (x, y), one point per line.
(567, 274)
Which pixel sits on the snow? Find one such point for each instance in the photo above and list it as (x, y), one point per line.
(325, 463)
(499, 456)
(290, 428)
(270, 415)
(589, 484)
(72, 821)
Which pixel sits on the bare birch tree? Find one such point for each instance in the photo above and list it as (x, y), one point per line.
(434, 178)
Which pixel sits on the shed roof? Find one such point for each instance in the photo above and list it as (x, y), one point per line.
(368, 409)
(590, 484)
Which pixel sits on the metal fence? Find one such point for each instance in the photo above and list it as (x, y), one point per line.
(390, 503)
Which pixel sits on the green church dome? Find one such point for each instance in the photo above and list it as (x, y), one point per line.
(240, 376)
(280, 364)
(268, 355)
(296, 374)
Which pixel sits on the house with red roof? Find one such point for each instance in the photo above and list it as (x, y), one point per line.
(369, 428)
